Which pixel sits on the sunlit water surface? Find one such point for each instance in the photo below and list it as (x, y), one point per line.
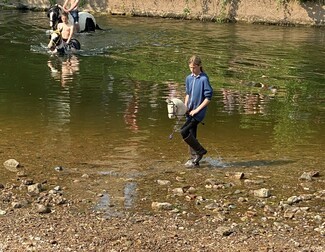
(102, 111)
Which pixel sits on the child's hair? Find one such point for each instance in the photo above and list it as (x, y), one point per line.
(196, 60)
(65, 14)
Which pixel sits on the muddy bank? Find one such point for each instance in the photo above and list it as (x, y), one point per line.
(260, 11)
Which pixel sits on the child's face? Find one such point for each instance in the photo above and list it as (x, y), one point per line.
(64, 18)
(195, 69)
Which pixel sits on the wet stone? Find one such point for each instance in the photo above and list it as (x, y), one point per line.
(34, 189)
(191, 189)
(178, 191)
(254, 182)
(262, 193)
(27, 181)
(11, 165)
(42, 209)
(58, 168)
(161, 206)
(293, 200)
(21, 174)
(306, 197)
(211, 182)
(242, 199)
(236, 175)
(180, 179)
(309, 175)
(268, 209)
(163, 182)
(212, 206)
(16, 205)
(289, 214)
(85, 175)
(57, 188)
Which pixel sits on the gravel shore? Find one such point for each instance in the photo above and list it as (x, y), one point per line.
(182, 211)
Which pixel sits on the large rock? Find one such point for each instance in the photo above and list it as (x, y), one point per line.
(11, 165)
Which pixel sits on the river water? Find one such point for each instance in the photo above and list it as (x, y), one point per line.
(102, 112)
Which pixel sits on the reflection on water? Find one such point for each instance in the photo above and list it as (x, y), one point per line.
(129, 194)
(105, 107)
(246, 102)
(63, 68)
(111, 205)
(132, 107)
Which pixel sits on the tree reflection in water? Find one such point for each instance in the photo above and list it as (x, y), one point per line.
(245, 102)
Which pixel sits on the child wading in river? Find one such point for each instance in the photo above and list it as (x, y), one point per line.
(198, 96)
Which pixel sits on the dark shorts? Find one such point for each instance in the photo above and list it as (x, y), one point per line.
(74, 14)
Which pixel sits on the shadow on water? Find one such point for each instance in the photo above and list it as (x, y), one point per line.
(259, 163)
(110, 208)
(211, 162)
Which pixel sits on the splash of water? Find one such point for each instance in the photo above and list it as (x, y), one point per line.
(215, 162)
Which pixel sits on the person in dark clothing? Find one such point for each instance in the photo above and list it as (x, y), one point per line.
(198, 96)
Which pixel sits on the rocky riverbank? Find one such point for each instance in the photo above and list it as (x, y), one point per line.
(186, 210)
(261, 11)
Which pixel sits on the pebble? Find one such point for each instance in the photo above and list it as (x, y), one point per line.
(85, 176)
(16, 205)
(254, 182)
(35, 188)
(58, 168)
(163, 182)
(262, 193)
(224, 231)
(57, 188)
(178, 191)
(293, 200)
(42, 209)
(161, 206)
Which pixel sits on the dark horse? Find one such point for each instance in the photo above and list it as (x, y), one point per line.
(87, 21)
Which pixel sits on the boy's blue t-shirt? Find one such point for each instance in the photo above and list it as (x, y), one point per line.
(198, 88)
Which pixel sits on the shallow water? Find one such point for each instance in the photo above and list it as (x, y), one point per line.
(102, 111)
